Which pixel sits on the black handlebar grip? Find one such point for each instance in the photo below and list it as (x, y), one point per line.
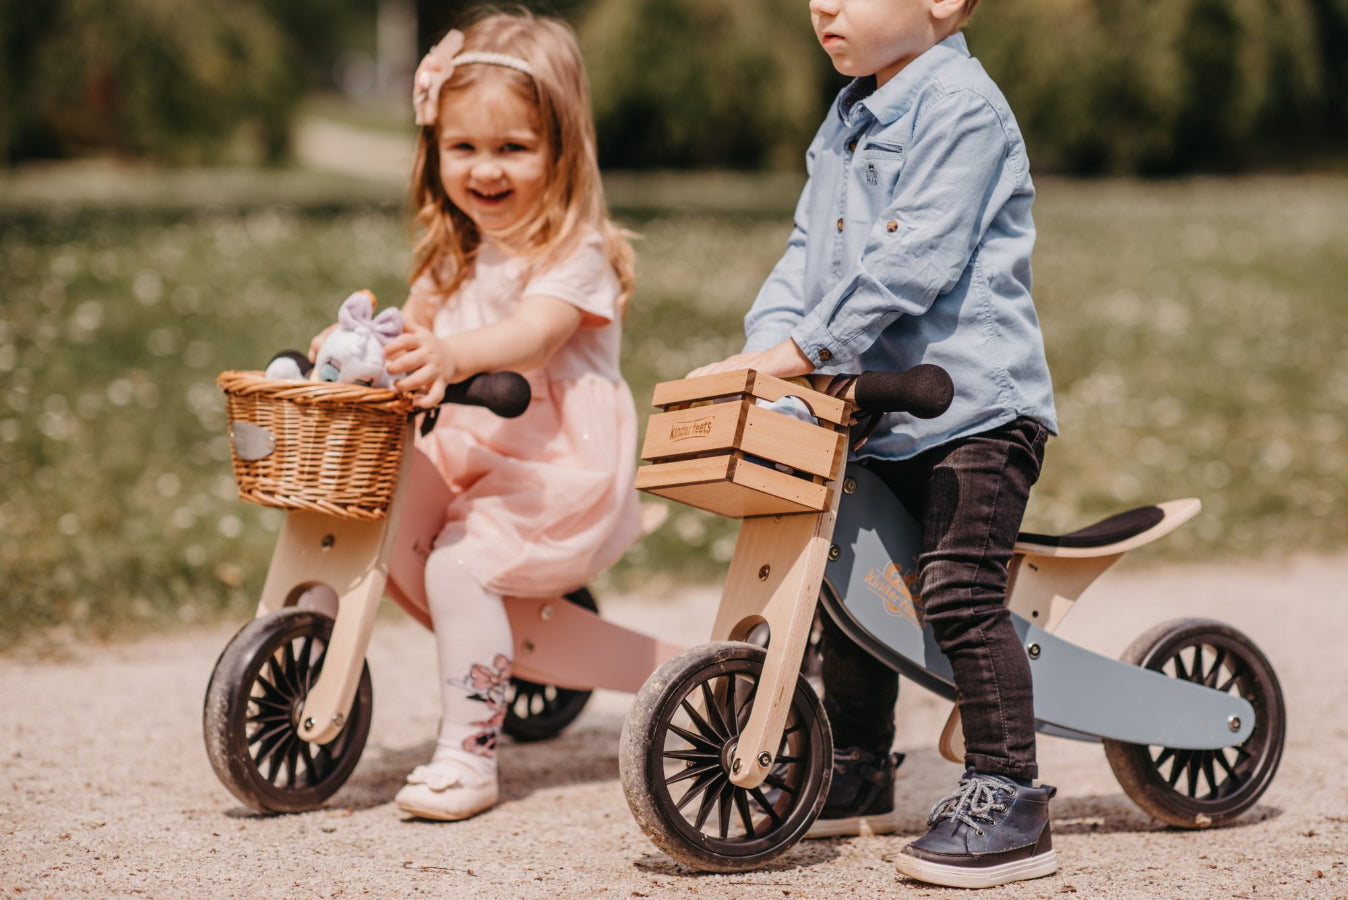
(924, 391)
(505, 393)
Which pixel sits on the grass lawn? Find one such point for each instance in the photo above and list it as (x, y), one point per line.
(1195, 331)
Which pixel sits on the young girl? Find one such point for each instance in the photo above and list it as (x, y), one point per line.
(518, 268)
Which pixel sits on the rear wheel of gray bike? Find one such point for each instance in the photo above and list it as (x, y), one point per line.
(1204, 788)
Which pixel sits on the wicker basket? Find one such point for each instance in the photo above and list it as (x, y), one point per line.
(329, 448)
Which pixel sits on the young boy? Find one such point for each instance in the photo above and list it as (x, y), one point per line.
(912, 245)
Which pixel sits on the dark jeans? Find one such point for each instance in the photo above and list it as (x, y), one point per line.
(970, 496)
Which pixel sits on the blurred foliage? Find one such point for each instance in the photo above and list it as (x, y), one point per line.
(211, 81)
(1139, 86)
(1194, 329)
(702, 83)
(1331, 24)
(1099, 86)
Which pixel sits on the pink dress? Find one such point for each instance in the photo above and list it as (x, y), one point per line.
(543, 502)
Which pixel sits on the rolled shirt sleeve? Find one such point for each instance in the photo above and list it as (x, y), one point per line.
(918, 247)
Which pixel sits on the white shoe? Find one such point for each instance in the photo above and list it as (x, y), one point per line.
(447, 791)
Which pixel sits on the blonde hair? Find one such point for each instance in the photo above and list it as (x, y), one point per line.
(573, 199)
(967, 12)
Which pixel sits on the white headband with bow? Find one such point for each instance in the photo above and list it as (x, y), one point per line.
(438, 65)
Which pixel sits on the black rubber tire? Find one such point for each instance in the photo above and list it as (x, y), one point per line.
(251, 715)
(537, 712)
(1204, 788)
(665, 745)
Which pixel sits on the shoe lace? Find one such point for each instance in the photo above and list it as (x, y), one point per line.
(974, 801)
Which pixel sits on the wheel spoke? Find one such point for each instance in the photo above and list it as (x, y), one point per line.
(697, 720)
(1177, 766)
(746, 815)
(1181, 672)
(699, 786)
(288, 667)
(1213, 671)
(746, 708)
(291, 759)
(304, 659)
(692, 755)
(697, 740)
(727, 806)
(323, 759)
(270, 681)
(307, 757)
(1193, 766)
(719, 726)
(693, 772)
(733, 725)
(1210, 772)
(767, 807)
(704, 809)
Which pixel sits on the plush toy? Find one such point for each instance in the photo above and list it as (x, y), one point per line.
(353, 353)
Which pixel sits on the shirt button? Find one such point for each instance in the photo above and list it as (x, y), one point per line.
(825, 356)
(891, 226)
(840, 223)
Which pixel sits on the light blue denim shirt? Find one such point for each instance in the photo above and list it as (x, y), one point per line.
(912, 245)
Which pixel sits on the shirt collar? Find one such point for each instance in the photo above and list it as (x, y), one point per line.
(893, 99)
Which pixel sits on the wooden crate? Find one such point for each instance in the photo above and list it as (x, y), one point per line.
(716, 448)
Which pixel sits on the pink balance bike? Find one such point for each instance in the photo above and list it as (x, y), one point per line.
(726, 754)
(289, 704)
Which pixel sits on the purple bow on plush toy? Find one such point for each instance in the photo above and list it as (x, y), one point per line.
(353, 353)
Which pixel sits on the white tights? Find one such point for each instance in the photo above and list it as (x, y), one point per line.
(474, 646)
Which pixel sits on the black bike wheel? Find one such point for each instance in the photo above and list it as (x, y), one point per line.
(676, 749)
(251, 715)
(537, 712)
(1204, 788)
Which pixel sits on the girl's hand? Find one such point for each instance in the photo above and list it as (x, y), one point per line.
(427, 358)
(784, 361)
(318, 340)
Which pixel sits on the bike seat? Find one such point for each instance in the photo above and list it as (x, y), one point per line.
(1116, 534)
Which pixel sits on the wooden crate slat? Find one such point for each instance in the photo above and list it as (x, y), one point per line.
(781, 439)
(732, 487)
(699, 429)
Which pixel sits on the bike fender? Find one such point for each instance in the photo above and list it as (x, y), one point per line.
(1076, 691)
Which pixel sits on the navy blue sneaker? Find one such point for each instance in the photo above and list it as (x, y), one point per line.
(861, 797)
(988, 831)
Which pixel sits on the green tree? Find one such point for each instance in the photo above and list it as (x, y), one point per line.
(1148, 86)
(702, 83)
(145, 78)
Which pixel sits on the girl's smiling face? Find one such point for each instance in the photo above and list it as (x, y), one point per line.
(494, 163)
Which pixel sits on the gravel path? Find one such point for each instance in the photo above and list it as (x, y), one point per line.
(105, 790)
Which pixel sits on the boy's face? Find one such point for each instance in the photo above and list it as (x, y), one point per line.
(877, 37)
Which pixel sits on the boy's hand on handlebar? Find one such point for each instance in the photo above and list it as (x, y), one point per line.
(426, 357)
(783, 361)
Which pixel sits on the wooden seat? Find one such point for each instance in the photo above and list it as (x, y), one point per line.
(1116, 534)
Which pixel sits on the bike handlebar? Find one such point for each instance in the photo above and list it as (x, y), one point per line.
(924, 391)
(505, 393)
